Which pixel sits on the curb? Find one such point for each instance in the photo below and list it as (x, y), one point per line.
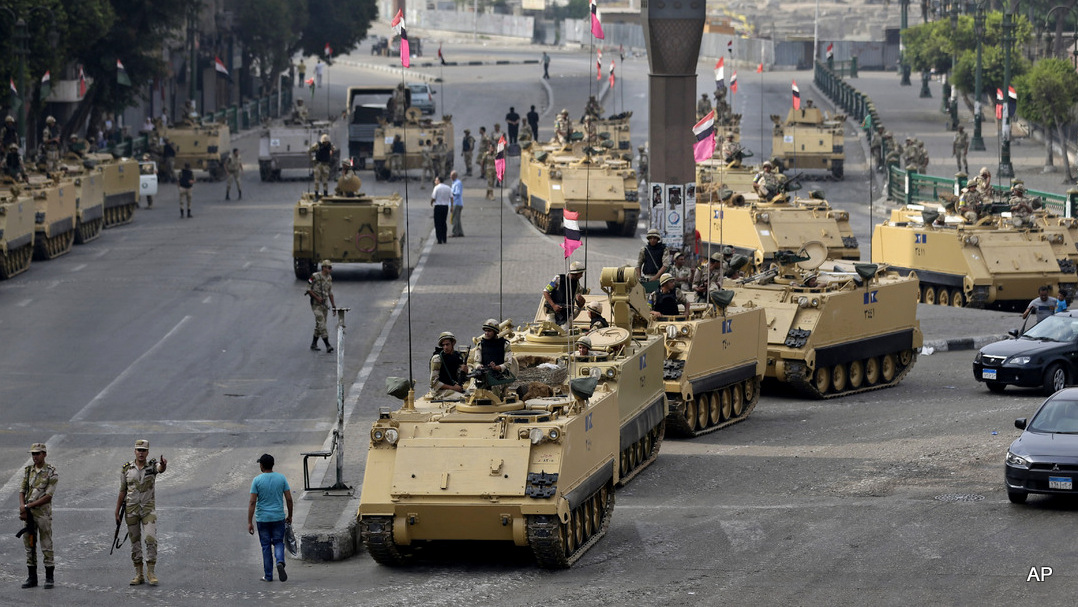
(335, 544)
(963, 343)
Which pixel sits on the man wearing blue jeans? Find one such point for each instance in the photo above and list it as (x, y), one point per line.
(269, 493)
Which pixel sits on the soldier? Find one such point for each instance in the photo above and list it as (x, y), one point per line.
(562, 127)
(447, 369)
(922, 157)
(969, 204)
(137, 482)
(323, 157)
(703, 106)
(399, 103)
(960, 148)
(11, 132)
(875, 145)
(396, 158)
(467, 147)
(35, 500)
(76, 148)
(562, 290)
(50, 143)
(592, 108)
(481, 153)
(168, 156)
(595, 316)
(668, 299)
(440, 158)
(320, 290)
(494, 353)
(590, 136)
(490, 171)
(186, 183)
(300, 114)
(983, 185)
(768, 184)
(13, 163)
(892, 151)
(642, 163)
(651, 262)
(681, 272)
(909, 154)
(709, 279)
(233, 171)
(427, 156)
(1021, 206)
(525, 134)
(731, 152)
(145, 168)
(583, 348)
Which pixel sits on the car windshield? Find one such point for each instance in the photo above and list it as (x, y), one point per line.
(419, 89)
(1054, 328)
(1056, 416)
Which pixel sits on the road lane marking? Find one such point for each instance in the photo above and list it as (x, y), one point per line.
(85, 411)
(246, 265)
(101, 253)
(78, 267)
(262, 250)
(24, 303)
(208, 299)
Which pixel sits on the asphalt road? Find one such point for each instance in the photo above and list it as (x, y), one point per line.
(194, 333)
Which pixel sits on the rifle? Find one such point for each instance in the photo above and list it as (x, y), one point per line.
(773, 272)
(31, 528)
(116, 541)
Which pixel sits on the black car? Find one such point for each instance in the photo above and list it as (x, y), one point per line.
(1046, 356)
(1045, 458)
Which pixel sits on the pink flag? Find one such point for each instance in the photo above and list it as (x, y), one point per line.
(82, 82)
(401, 30)
(797, 95)
(499, 158)
(760, 69)
(704, 148)
(596, 25)
(572, 231)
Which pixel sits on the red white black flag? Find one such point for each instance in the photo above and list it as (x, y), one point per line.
(401, 30)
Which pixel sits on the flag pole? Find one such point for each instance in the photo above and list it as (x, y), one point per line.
(407, 231)
(501, 245)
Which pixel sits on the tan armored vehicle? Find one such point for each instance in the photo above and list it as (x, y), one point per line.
(55, 216)
(420, 136)
(122, 183)
(203, 146)
(834, 328)
(806, 140)
(538, 473)
(287, 147)
(759, 230)
(989, 262)
(614, 128)
(348, 227)
(588, 180)
(87, 184)
(17, 212)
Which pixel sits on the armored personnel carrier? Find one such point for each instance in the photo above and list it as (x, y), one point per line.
(287, 147)
(203, 146)
(55, 216)
(759, 229)
(538, 473)
(17, 212)
(975, 264)
(86, 183)
(834, 328)
(614, 128)
(420, 136)
(121, 184)
(348, 227)
(600, 187)
(806, 140)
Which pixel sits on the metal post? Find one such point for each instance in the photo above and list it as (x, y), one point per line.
(1006, 169)
(977, 142)
(21, 38)
(905, 67)
(338, 433)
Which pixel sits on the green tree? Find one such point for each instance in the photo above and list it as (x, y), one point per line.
(341, 23)
(267, 31)
(1046, 95)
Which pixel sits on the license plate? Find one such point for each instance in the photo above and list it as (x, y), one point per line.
(988, 374)
(1060, 482)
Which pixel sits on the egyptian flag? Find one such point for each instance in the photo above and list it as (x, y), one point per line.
(440, 56)
(730, 47)
(328, 51)
(999, 104)
(16, 100)
(121, 74)
(797, 95)
(830, 50)
(760, 69)
(611, 72)
(1012, 101)
(46, 85)
(399, 28)
(720, 74)
(704, 148)
(82, 82)
(733, 83)
(499, 158)
(220, 66)
(596, 26)
(599, 64)
(572, 231)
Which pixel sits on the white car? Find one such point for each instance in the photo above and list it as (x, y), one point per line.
(422, 96)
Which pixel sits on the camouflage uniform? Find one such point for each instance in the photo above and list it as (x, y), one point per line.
(1021, 207)
(562, 127)
(592, 108)
(467, 147)
(707, 278)
(768, 184)
(50, 142)
(321, 285)
(682, 276)
(730, 149)
(323, 156)
(36, 484)
(703, 106)
(960, 148)
(141, 516)
(233, 170)
(440, 157)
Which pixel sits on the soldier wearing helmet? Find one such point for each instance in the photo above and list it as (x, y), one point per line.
(710, 278)
(681, 271)
(668, 299)
(565, 291)
(234, 172)
(652, 260)
(320, 290)
(583, 347)
(1021, 206)
(983, 185)
(731, 152)
(703, 106)
(492, 352)
(50, 143)
(323, 158)
(447, 369)
(10, 132)
(562, 127)
(13, 163)
(768, 183)
(595, 316)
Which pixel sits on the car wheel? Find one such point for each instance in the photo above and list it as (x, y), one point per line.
(996, 387)
(1017, 497)
(1055, 379)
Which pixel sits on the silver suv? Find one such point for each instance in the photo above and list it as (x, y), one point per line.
(422, 96)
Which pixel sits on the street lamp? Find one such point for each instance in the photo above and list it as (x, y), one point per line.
(977, 142)
(22, 49)
(1006, 169)
(904, 66)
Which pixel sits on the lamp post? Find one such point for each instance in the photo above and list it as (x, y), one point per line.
(903, 65)
(1048, 45)
(977, 142)
(22, 49)
(1006, 169)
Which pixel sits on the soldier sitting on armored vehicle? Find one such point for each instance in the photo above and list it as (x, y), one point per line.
(299, 113)
(562, 127)
(710, 278)
(76, 148)
(768, 183)
(13, 168)
(563, 289)
(348, 183)
(595, 316)
(447, 369)
(668, 299)
(982, 183)
(1021, 207)
(494, 355)
(969, 205)
(592, 108)
(732, 153)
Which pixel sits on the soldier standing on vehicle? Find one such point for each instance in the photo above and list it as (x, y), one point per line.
(533, 122)
(323, 157)
(187, 181)
(651, 262)
(467, 146)
(703, 106)
(35, 502)
(50, 142)
(11, 132)
(233, 171)
(960, 148)
(138, 479)
(320, 290)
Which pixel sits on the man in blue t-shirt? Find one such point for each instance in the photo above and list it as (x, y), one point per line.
(269, 493)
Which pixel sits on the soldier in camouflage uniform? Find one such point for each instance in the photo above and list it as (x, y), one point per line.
(1021, 206)
(35, 496)
(562, 127)
(703, 106)
(50, 143)
(138, 479)
(960, 148)
(441, 159)
(467, 146)
(488, 169)
(320, 290)
(709, 279)
(731, 152)
(875, 145)
(481, 151)
(592, 107)
(234, 172)
(768, 183)
(983, 185)
(447, 369)
(642, 163)
(681, 272)
(323, 156)
(525, 134)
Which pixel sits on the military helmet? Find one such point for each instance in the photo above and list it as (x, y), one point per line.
(1018, 187)
(50, 120)
(444, 336)
(584, 341)
(767, 164)
(76, 138)
(144, 156)
(640, 147)
(653, 233)
(716, 257)
(13, 146)
(9, 119)
(984, 171)
(727, 251)
(577, 267)
(324, 138)
(679, 255)
(467, 132)
(594, 306)
(326, 263)
(491, 324)
(665, 278)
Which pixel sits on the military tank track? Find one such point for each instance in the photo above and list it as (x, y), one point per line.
(639, 455)
(627, 228)
(558, 545)
(937, 294)
(119, 212)
(88, 230)
(865, 375)
(548, 223)
(53, 247)
(715, 409)
(376, 533)
(16, 260)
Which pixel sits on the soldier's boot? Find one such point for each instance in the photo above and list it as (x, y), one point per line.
(151, 579)
(240, 195)
(48, 577)
(188, 213)
(325, 192)
(138, 579)
(181, 213)
(314, 344)
(228, 194)
(329, 348)
(31, 578)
